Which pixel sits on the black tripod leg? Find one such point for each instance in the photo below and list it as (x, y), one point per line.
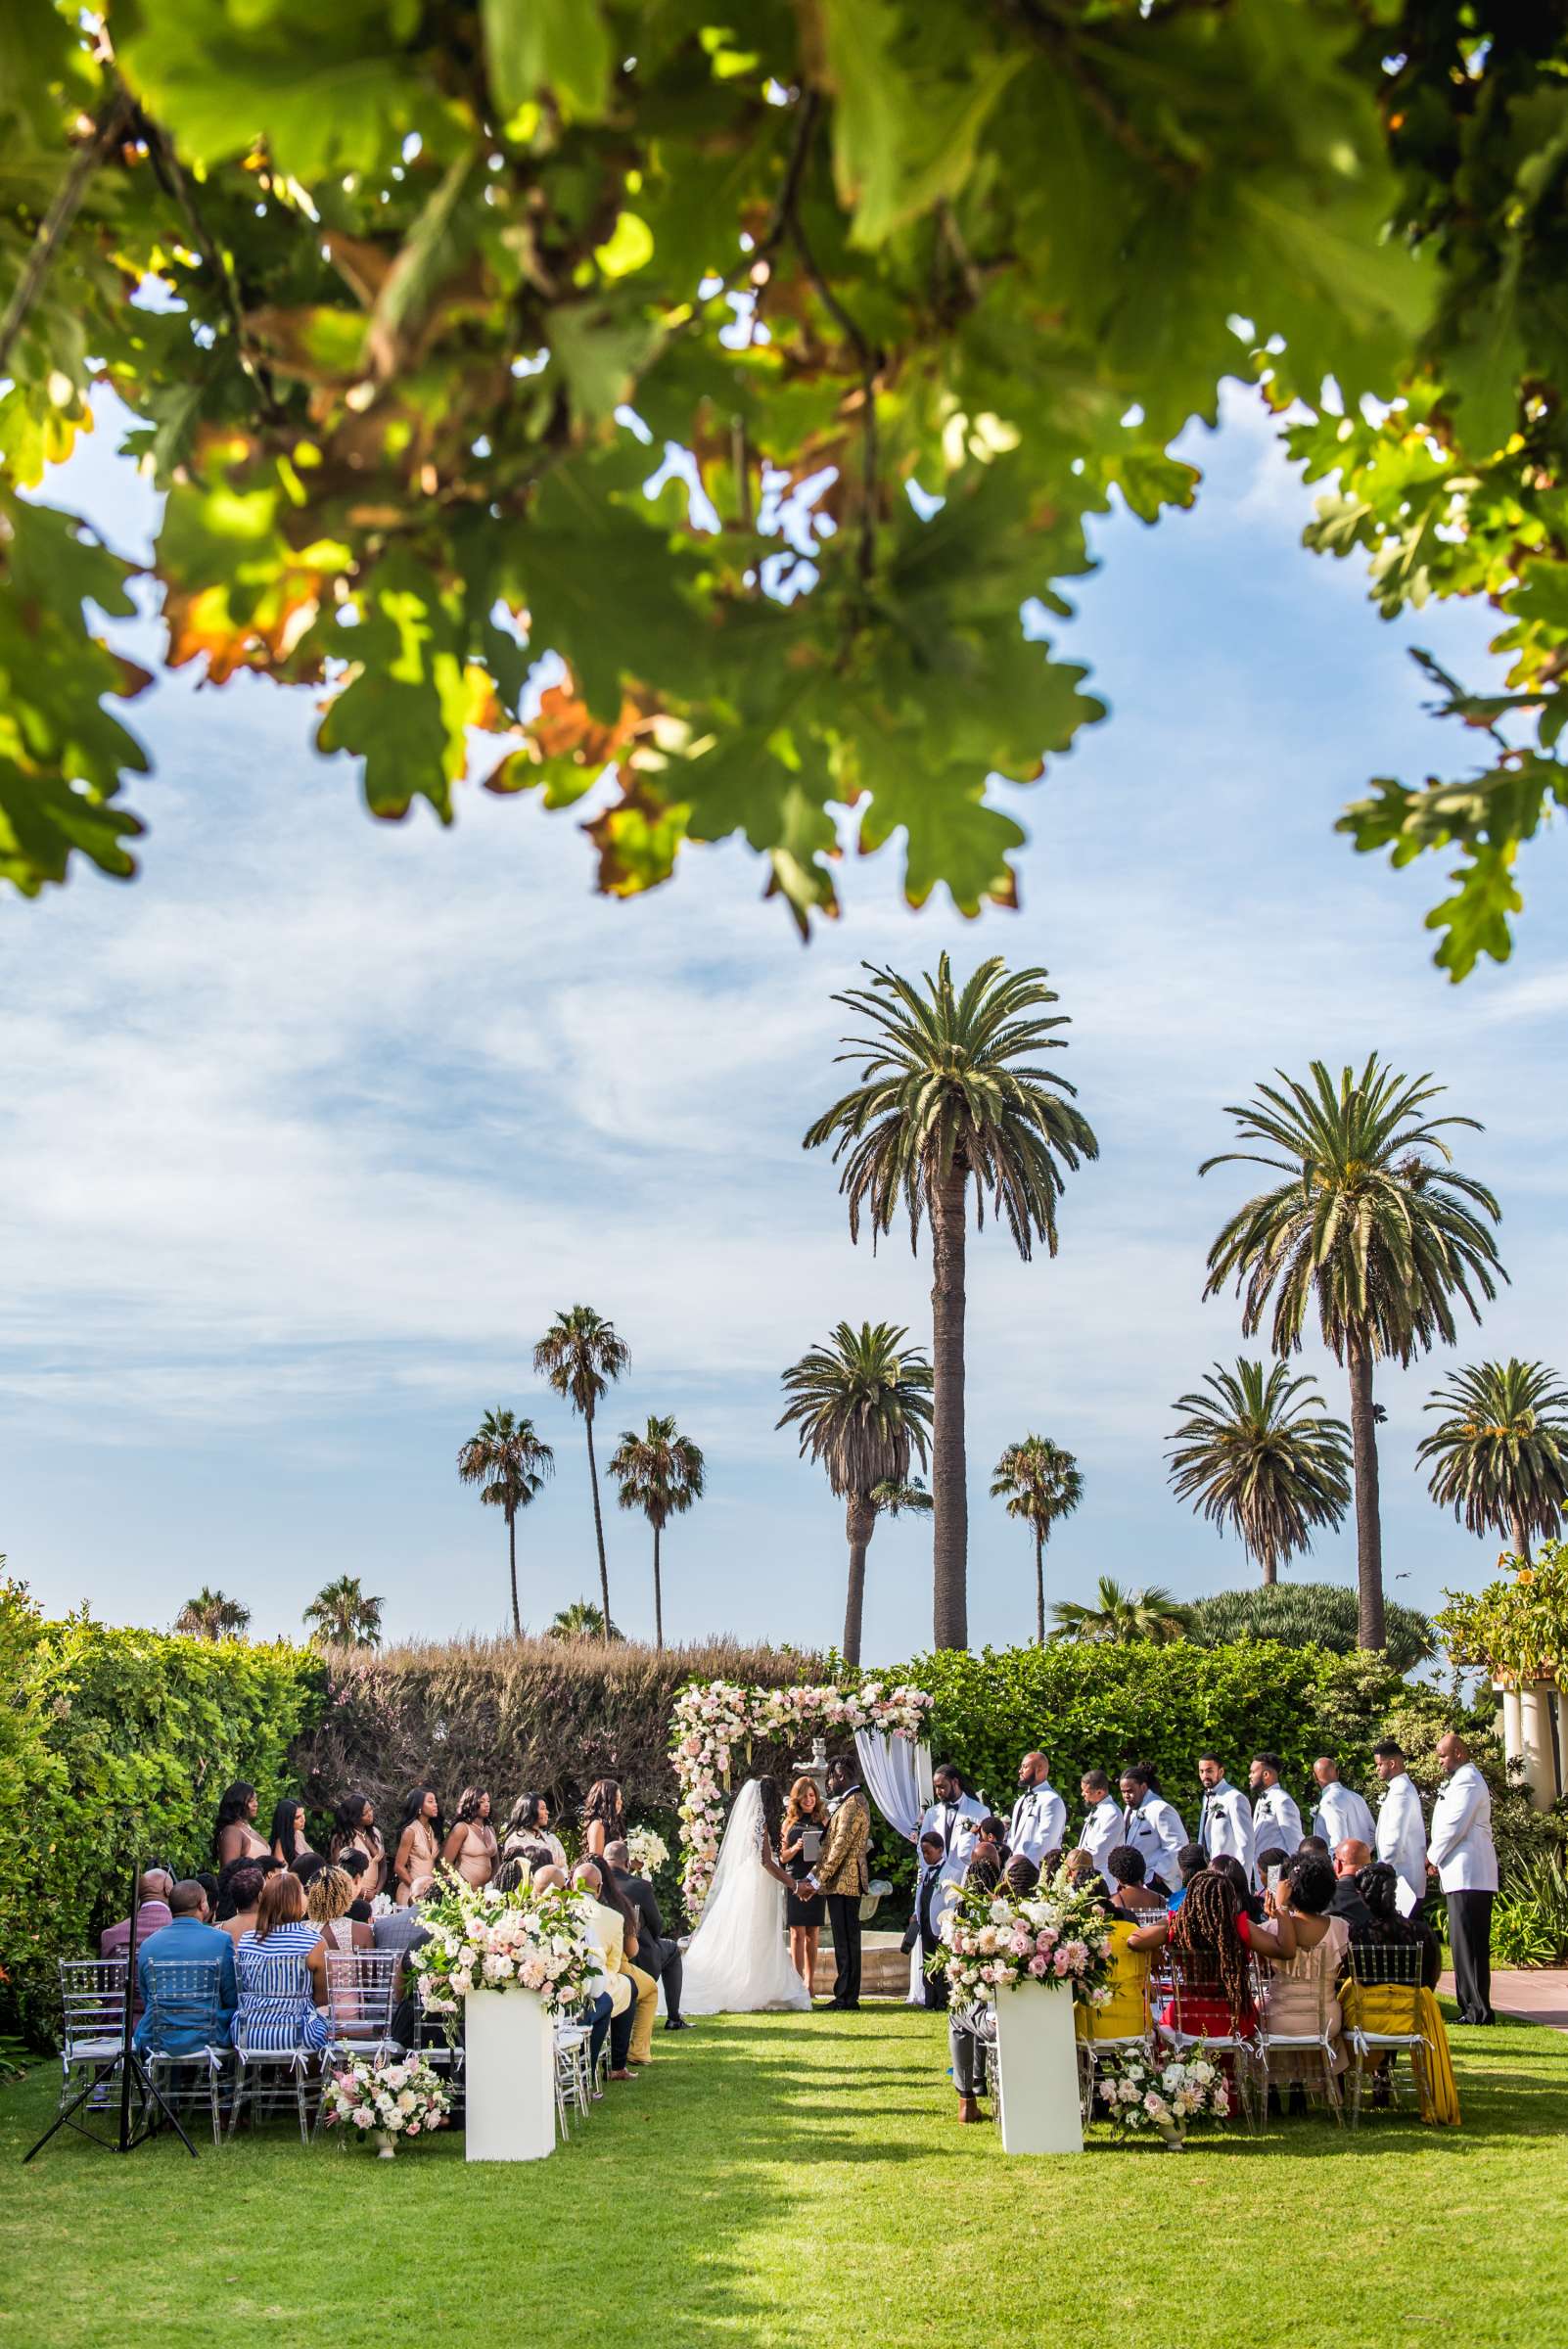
(65, 2114)
(150, 2088)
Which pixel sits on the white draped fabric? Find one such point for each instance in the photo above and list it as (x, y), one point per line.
(896, 1773)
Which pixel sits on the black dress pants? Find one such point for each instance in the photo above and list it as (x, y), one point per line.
(1470, 1938)
(844, 1914)
(668, 1969)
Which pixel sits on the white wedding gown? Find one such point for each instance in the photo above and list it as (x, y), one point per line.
(738, 1960)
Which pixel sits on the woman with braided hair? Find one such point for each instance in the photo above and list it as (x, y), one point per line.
(1214, 1932)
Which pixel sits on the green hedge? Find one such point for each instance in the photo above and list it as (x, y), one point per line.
(117, 1743)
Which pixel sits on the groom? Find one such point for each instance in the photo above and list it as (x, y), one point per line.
(840, 1875)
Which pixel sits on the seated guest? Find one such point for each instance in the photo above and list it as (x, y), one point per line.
(237, 1903)
(983, 1873)
(1385, 1927)
(1021, 1876)
(550, 1879)
(1128, 1871)
(1298, 1996)
(1350, 1856)
(353, 1829)
(356, 1868)
(401, 1928)
(991, 1837)
(328, 1898)
(645, 1987)
(153, 1888)
(1211, 1939)
(1396, 2007)
(1190, 1859)
(605, 1926)
(281, 1970)
(289, 1837)
(513, 1875)
(1227, 1864)
(1269, 1863)
(1084, 1871)
(1126, 2016)
(307, 1865)
(210, 1885)
(657, 1953)
(528, 1823)
(188, 1939)
(967, 2055)
(1314, 1846)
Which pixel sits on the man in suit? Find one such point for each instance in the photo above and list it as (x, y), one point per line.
(841, 1877)
(186, 1940)
(1350, 1856)
(657, 1953)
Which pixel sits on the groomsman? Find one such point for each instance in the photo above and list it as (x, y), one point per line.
(1151, 1825)
(1274, 1817)
(1465, 1858)
(1101, 1830)
(1339, 1815)
(953, 1818)
(1038, 1823)
(1225, 1823)
(1400, 1829)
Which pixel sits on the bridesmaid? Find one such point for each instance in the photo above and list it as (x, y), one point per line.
(419, 1843)
(234, 1835)
(471, 1847)
(290, 1842)
(355, 1829)
(527, 1823)
(604, 1816)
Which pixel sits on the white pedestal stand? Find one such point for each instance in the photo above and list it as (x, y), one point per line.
(1037, 2064)
(508, 2076)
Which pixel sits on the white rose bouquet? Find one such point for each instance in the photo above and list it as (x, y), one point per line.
(1140, 2091)
(386, 2099)
(994, 1941)
(648, 1850)
(482, 1938)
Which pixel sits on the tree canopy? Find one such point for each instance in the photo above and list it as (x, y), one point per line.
(406, 301)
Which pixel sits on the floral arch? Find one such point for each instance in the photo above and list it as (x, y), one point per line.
(712, 1718)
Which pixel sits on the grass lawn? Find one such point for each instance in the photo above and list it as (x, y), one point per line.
(782, 2180)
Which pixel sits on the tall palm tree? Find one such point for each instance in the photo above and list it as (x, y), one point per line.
(508, 1460)
(581, 1620)
(341, 1616)
(1251, 1456)
(1122, 1617)
(659, 1472)
(1373, 1227)
(579, 1354)
(1041, 1484)
(950, 1091)
(211, 1615)
(862, 1403)
(1500, 1454)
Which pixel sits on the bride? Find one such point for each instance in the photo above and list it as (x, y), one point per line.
(738, 1959)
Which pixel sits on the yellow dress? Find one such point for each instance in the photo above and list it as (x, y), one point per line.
(1127, 2014)
(1386, 2006)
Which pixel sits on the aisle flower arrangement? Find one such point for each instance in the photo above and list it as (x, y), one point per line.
(1138, 2091)
(482, 1938)
(648, 1850)
(994, 1941)
(712, 1719)
(386, 2101)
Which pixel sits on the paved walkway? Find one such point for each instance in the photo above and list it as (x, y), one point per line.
(1534, 1997)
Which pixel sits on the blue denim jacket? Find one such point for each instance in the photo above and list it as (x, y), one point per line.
(186, 1941)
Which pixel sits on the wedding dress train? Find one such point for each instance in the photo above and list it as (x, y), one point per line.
(738, 1960)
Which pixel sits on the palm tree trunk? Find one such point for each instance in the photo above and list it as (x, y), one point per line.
(598, 1524)
(1370, 1632)
(1040, 1588)
(1521, 1539)
(511, 1535)
(859, 1524)
(949, 1490)
(1270, 1570)
(659, 1596)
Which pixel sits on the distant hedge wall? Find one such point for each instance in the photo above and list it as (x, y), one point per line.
(113, 1744)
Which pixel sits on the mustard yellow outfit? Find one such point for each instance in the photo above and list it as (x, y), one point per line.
(1127, 2014)
(1399, 2006)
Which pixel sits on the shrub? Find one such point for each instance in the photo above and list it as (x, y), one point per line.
(1307, 1615)
(1530, 1922)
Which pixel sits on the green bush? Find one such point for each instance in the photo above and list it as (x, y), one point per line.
(116, 1745)
(1307, 1615)
(1530, 1920)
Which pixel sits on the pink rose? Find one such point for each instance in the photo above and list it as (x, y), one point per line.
(1036, 1966)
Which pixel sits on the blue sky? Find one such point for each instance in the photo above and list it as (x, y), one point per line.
(310, 1130)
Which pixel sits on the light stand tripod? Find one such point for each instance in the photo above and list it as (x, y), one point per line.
(137, 2086)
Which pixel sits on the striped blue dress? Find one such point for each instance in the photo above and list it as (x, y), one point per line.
(277, 2008)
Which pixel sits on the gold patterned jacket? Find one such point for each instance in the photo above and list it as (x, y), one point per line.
(842, 1867)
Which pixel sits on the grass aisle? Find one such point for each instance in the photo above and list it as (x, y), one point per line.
(777, 2179)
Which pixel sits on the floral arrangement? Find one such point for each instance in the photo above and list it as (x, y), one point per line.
(994, 1941)
(1140, 2091)
(402, 2099)
(648, 1850)
(482, 1938)
(712, 1718)
(383, 1904)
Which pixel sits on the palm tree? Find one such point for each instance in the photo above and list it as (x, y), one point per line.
(949, 1090)
(1122, 1617)
(1373, 1227)
(581, 1620)
(1307, 1615)
(1041, 1483)
(211, 1615)
(508, 1460)
(1500, 1455)
(1251, 1456)
(661, 1473)
(862, 1403)
(903, 1496)
(341, 1616)
(579, 1354)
